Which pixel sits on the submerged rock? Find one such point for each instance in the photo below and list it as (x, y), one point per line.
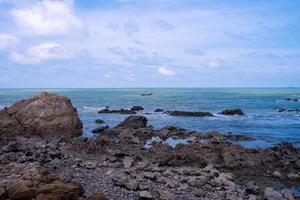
(45, 115)
(134, 122)
(237, 111)
(99, 121)
(121, 111)
(137, 108)
(189, 113)
(158, 110)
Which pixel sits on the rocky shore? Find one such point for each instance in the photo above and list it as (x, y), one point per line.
(132, 160)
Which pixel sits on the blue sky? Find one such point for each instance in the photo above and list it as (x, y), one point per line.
(150, 43)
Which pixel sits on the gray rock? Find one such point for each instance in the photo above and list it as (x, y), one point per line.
(127, 162)
(271, 194)
(145, 195)
(134, 122)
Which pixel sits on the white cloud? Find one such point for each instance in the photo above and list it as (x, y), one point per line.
(7, 40)
(166, 71)
(47, 17)
(38, 53)
(213, 64)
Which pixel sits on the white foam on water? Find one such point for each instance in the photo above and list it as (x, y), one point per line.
(89, 109)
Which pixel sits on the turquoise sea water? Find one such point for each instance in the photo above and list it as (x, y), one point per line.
(261, 121)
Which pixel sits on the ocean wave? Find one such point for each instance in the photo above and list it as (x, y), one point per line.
(88, 109)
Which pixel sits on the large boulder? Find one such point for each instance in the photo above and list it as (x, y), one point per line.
(134, 122)
(45, 115)
(31, 181)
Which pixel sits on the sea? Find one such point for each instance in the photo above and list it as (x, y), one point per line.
(261, 120)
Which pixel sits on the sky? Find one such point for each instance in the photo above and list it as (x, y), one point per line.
(149, 43)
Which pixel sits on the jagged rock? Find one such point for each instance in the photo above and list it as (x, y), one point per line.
(134, 122)
(237, 111)
(127, 161)
(45, 115)
(99, 121)
(137, 108)
(100, 129)
(189, 113)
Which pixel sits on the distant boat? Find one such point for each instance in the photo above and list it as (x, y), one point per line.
(147, 94)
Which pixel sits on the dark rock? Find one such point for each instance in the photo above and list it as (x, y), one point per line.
(147, 94)
(46, 115)
(99, 121)
(237, 111)
(134, 122)
(121, 111)
(137, 108)
(291, 99)
(189, 113)
(280, 110)
(158, 110)
(100, 129)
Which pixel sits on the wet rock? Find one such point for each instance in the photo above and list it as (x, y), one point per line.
(291, 99)
(121, 111)
(137, 108)
(293, 176)
(46, 115)
(100, 129)
(237, 111)
(158, 110)
(280, 110)
(276, 174)
(146, 94)
(99, 121)
(189, 113)
(145, 195)
(133, 122)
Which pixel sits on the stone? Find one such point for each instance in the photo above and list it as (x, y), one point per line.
(189, 113)
(127, 162)
(98, 196)
(271, 194)
(145, 195)
(133, 122)
(158, 110)
(293, 176)
(276, 174)
(121, 111)
(46, 115)
(137, 108)
(236, 111)
(100, 129)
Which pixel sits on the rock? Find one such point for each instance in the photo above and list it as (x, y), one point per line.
(100, 129)
(276, 174)
(31, 181)
(147, 94)
(291, 99)
(145, 195)
(293, 176)
(46, 115)
(280, 110)
(121, 111)
(158, 110)
(133, 122)
(131, 185)
(137, 108)
(127, 162)
(237, 111)
(99, 121)
(91, 165)
(189, 113)
(98, 196)
(271, 194)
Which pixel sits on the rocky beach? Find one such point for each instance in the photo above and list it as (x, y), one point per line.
(44, 156)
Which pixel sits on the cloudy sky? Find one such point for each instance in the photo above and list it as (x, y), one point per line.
(149, 43)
